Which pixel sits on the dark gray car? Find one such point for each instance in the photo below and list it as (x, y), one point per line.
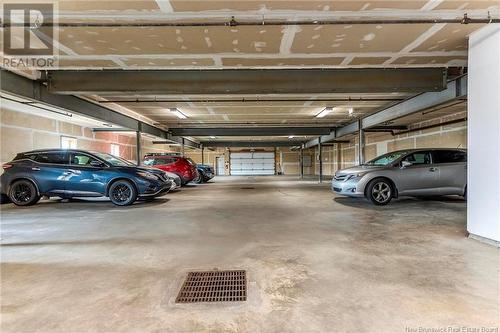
(413, 172)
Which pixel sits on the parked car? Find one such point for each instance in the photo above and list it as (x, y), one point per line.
(78, 173)
(414, 172)
(185, 168)
(205, 173)
(176, 180)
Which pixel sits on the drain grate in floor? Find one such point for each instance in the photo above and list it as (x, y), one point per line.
(214, 286)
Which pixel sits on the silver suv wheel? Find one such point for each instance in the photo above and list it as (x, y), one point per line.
(379, 192)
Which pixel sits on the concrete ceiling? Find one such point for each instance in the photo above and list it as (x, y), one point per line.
(320, 46)
(363, 45)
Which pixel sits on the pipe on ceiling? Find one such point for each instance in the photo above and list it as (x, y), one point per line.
(234, 23)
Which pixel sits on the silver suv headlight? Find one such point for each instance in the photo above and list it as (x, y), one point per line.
(355, 175)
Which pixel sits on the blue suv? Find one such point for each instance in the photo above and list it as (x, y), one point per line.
(77, 173)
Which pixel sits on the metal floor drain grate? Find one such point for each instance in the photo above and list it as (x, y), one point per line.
(214, 286)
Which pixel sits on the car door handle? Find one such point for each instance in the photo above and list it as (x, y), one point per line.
(70, 171)
(433, 169)
(35, 168)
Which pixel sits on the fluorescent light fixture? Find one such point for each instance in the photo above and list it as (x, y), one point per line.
(178, 113)
(291, 136)
(212, 137)
(324, 112)
(351, 111)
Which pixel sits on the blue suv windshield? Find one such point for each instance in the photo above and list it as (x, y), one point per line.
(113, 160)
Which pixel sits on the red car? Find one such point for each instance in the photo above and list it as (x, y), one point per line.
(181, 166)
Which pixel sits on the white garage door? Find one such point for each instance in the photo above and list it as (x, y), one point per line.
(243, 164)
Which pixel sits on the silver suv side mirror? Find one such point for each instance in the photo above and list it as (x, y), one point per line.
(405, 164)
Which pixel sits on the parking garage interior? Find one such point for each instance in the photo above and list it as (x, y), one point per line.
(277, 97)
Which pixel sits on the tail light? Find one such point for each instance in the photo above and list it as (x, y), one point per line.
(7, 166)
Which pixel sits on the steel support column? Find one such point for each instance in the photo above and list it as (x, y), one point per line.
(138, 147)
(361, 143)
(339, 156)
(320, 155)
(202, 154)
(302, 162)
(182, 147)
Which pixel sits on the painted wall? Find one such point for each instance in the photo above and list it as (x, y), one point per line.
(21, 132)
(335, 158)
(446, 136)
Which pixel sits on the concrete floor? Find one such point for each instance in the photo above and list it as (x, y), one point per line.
(315, 262)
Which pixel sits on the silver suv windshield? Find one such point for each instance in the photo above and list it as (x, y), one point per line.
(386, 159)
(113, 160)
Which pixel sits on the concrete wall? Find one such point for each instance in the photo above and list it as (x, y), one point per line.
(21, 132)
(446, 136)
(335, 158)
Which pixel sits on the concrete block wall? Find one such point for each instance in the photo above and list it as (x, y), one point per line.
(208, 155)
(445, 136)
(23, 132)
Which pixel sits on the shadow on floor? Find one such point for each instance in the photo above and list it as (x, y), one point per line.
(106, 241)
(396, 203)
(95, 203)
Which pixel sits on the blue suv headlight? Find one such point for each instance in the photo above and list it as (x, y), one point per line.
(147, 175)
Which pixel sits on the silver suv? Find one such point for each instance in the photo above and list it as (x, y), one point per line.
(415, 172)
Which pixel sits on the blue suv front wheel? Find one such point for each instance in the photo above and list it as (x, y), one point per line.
(122, 193)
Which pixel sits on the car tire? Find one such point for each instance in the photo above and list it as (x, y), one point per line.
(199, 179)
(380, 191)
(122, 193)
(23, 193)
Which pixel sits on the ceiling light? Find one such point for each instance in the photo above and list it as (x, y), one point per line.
(351, 111)
(291, 137)
(324, 112)
(178, 113)
(212, 137)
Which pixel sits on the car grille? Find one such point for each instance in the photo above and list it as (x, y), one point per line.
(337, 189)
(340, 177)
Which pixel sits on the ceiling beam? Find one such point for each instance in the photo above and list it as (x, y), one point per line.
(246, 81)
(239, 99)
(35, 91)
(250, 144)
(250, 131)
(455, 90)
(178, 141)
(111, 129)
